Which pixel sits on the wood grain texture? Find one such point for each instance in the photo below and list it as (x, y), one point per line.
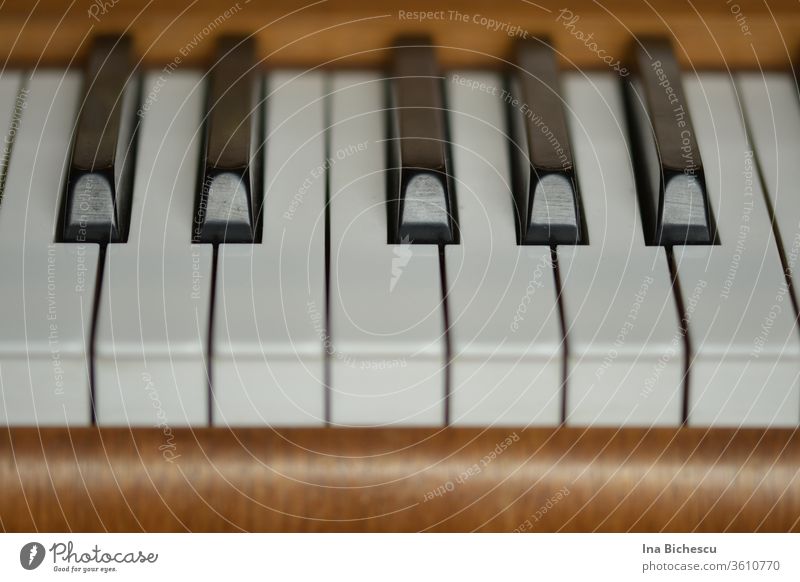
(378, 480)
(745, 33)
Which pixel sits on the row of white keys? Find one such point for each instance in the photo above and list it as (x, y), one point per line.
(153, 319)
(626, 351)
(772, 110)
(386, 311)
(47, 288)
(745, 346)
(626, 359)
(507, 349)
(269, 313)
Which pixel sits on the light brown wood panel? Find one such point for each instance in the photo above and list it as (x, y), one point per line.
(339, 32)
(382, 480)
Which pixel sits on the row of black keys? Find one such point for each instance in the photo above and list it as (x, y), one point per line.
(421, 197)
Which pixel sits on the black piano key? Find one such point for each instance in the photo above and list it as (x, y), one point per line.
(227, 209)
(421, 206)
(97, 200)
(670, 179)
(545, 185)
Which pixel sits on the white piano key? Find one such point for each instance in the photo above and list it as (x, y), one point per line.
(47, 288)
(387, 320)
(772, 110)
(268, 358)
(746, 351)
(153, 319)
(507, 349)
(626, 350)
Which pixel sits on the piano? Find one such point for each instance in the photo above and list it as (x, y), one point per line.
(399, 267)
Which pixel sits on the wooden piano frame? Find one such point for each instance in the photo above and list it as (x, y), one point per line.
(563, 479)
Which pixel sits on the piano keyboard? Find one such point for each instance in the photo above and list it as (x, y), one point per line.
(410, 247)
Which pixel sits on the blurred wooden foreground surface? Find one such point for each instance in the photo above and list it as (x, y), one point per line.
(735, 34)
(407, 480)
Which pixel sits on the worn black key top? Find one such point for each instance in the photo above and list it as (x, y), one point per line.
(97, 200)
(421, 204)
(669, 171)
(545, 185)
(228, 204)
